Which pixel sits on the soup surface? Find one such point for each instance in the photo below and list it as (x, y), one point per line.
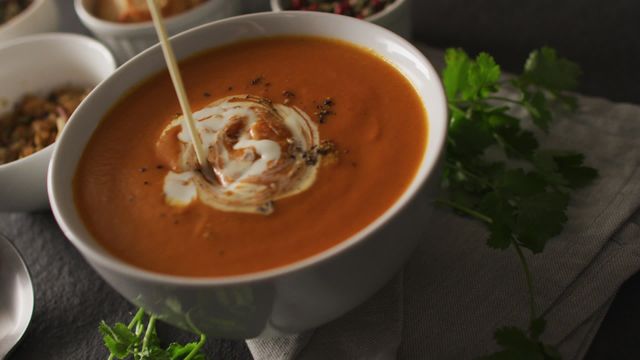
(362, 106)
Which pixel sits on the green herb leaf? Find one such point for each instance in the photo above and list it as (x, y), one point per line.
(497, 173)
(455, 76)
(153, 353)
(536, 327)
(536, 104)
(499, 119)
(570, 166)
(179, 352)
(545, 69)
(469, 80)
(500, 212)
(518, 345)
(143, 343)
(118, 339)
(483, 76)
(517, 143)
(470, 135)
(564, 168)
(516, 183)
(541, 217)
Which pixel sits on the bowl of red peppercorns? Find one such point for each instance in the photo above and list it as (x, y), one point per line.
(392, 14)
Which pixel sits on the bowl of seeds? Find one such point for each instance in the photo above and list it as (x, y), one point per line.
(394, 15)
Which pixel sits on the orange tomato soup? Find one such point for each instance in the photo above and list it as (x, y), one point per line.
(376, 121)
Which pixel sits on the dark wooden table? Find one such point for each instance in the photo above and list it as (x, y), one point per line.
(601, 36)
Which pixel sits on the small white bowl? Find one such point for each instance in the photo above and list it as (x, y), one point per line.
(395, 17)
(38, 64)
(41, 16)
(128, 39)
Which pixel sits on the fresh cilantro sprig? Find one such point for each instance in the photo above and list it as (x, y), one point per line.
(138, 341)
(496, 171)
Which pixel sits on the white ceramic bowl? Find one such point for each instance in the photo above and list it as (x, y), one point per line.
(38, 64)
(286, 299)
(41, 16)
(127, 40)
(395, 17)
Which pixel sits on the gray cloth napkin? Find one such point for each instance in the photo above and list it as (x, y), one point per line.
(454, 292)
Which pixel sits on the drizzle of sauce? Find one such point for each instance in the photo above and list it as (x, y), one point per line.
(256, 149)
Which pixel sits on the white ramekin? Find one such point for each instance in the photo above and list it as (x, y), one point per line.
(41, 16)
(395, 17)
(128, 39)
(38, 64)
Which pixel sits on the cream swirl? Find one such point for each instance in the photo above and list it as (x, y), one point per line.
(257, 151)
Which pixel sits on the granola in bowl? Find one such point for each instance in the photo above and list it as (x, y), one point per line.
(35, 121)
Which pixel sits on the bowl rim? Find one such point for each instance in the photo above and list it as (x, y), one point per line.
(423, 174)
(276, 5)
(22, 15)
(56, 36)
(388, 9)
(89, 18)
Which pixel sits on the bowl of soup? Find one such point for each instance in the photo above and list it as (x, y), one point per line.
(324, 134)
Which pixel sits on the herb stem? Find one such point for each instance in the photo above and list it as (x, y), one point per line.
(466, 210)
(502, 98)
(150, 329)
(136, 318)
(196, 349)
(527, 273)
(469, 173)
(453, 106)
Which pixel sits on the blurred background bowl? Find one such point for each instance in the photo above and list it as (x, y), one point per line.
(40, 16)
(37, 64)
(395, 17)
(128, 39)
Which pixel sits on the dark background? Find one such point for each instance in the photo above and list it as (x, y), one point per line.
(602, 36)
